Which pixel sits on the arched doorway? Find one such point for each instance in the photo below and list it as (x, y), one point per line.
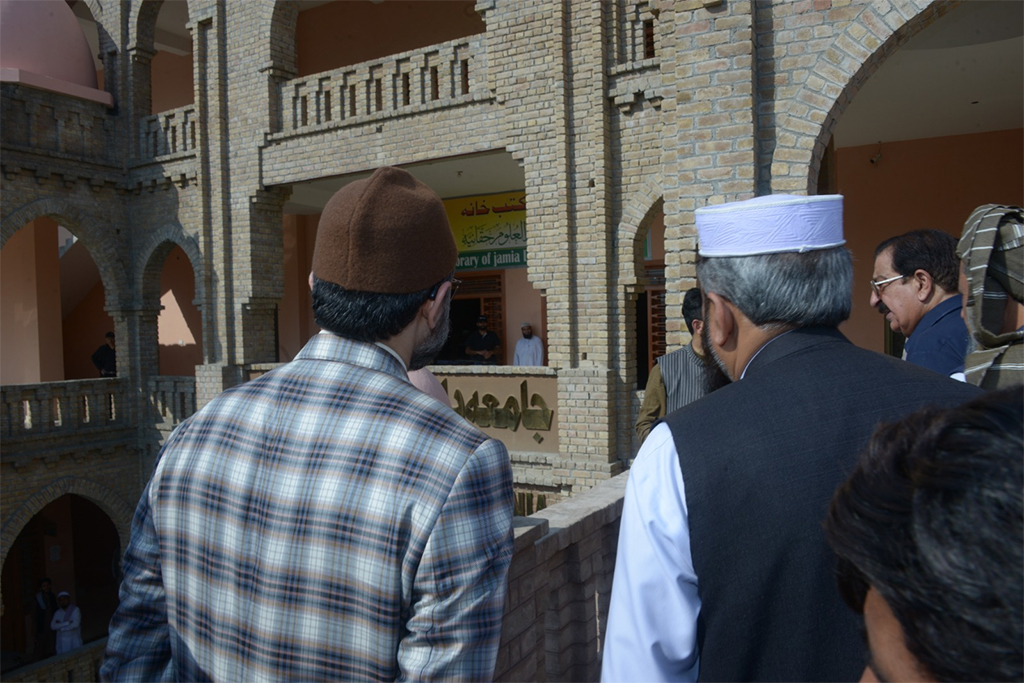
(73, 543)
(180, 331)
(54, 315)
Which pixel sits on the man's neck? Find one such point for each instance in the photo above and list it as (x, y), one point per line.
(754, 343)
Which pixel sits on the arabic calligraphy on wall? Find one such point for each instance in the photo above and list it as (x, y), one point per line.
(530, 412)
(490, 230)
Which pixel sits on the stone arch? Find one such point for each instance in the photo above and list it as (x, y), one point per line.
(119, 512)
(638, 211)
(142, 23)
(151, 259)
(151, 256)
(93, 233)
(280, 47)
(805, 128)
(108, 41)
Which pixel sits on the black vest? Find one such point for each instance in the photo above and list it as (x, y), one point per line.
(761, 459)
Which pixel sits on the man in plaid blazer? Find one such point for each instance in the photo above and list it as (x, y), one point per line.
(329, 521)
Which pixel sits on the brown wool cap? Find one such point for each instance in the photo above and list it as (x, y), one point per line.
(388, 234)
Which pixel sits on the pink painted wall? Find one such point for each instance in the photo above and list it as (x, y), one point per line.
(171, 78)
(345, 32)
(30, 317)
(523, 303)
(84, 328)
(180, 325)
(928, 183)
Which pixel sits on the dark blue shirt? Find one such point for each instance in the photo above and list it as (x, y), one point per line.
(939, 341)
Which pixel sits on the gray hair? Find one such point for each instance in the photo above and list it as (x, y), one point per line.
(813, 288)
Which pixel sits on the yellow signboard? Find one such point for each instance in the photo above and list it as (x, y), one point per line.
(490, 230)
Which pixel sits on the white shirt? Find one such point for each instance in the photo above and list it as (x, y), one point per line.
(67, 624)
(652, 620)
(529, 352)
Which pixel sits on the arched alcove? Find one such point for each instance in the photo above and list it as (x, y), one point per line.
(54, 315)
(73, 542)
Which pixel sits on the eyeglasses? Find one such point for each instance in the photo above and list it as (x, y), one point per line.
(877, 286)
(455, 287)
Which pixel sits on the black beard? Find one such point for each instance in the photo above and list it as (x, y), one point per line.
(424, 354)
(527, 335)
(715, 376)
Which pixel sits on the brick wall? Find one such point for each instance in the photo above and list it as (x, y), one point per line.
(559, 588)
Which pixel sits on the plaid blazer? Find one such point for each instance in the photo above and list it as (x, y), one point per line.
(324, 521)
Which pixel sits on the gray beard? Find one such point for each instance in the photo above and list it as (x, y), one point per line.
(424, 354)
(718, 376)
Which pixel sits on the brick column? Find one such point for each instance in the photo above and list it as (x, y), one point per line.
(708, 112)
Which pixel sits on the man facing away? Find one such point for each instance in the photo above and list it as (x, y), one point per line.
(677, 378)
(728, 577)
(914, 286)
(529, 349)
(991, 252)
(928, 530)
(327, 520)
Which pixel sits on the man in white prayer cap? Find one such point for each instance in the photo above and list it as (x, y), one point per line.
(67, 622)
(728, 577)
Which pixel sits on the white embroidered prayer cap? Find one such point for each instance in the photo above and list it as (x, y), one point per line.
(773, 224)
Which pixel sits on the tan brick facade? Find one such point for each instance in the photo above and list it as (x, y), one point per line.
(738, 98)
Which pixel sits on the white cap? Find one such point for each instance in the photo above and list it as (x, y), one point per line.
(771, 225)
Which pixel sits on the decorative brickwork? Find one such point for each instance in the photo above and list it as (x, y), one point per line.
(113, 504)
(616, 110)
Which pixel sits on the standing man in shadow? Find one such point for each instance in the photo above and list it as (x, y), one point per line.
(483, 346)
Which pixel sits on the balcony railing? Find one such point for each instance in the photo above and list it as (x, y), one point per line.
(173, 399)
(62, 408)
(81, 664)
(170, 133)
(426, 79)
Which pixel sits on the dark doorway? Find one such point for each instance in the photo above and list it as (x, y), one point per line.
(74, 543)
(643, 368)
(464, 313)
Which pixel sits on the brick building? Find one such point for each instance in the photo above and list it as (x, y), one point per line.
(173, 198)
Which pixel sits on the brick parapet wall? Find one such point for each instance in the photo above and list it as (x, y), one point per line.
(555, 611)
(81, 664)
(559, 588)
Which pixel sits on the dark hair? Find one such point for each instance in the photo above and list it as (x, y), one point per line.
(932, 251)
(933, 519)
(109, 335)
(812, 288)
(364, 316)
(692, 305)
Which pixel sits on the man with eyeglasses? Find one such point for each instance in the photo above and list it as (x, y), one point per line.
(327, 520)
(722, 571)
(915, 286)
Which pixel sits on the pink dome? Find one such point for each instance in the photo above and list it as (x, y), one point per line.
(42, 45)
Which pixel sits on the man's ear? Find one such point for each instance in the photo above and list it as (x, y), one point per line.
(924, 284)
(720, 319)
(698, 325)
(432, 308)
